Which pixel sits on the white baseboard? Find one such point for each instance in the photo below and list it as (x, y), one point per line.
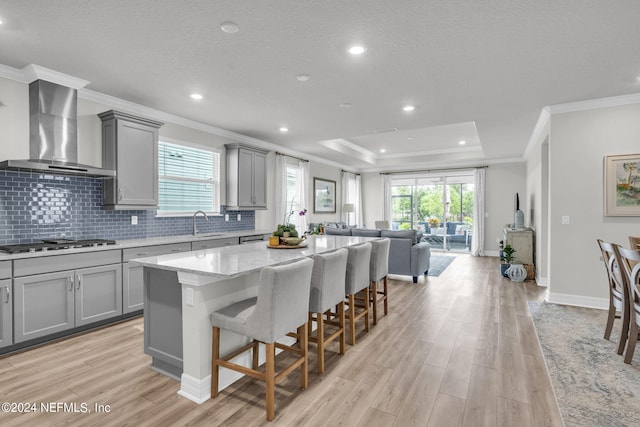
(542, 281)
(194, 389)
(491, 253)
(578, 300)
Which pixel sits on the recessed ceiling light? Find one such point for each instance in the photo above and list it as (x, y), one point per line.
(410, 138)
(357, 50)
(303, 77)
(383, 150)
(196, 96)
(408, 108)
(284, 129)
(462, 142)
(345, 105)
(1, 21)
(229, 27)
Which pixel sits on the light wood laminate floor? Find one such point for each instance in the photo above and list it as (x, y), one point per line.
(459, 349)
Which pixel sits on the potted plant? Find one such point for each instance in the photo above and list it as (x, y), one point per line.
(506, 257)
(286, 229)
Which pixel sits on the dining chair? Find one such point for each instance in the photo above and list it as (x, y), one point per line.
(634, 242)
(282, 305)
(618, 295)
(630, 260)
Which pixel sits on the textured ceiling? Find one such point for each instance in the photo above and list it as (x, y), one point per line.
(475, 70)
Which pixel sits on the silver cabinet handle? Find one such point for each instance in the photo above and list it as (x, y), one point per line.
(79, 279)
(121, 193)
(8, 291)
(177, 250)
(143, 254)
(71, 283)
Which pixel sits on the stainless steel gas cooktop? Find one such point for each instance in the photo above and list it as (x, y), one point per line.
(53, 244)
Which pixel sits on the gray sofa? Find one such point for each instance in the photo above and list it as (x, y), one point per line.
(407, 255)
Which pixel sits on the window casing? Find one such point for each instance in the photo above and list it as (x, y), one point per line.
(188, 179)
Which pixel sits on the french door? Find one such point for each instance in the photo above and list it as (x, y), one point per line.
(440, 206)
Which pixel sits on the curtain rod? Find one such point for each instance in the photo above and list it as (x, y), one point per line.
(350, 172)
(435, 170)
(293, 157)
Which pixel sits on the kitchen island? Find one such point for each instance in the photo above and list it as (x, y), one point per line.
(182, 289)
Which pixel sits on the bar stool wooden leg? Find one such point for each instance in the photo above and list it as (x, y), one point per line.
(352, 319)
(215, 355)
(320, 332)
(374, 301)
(270, 379)
(343, 326)
(366, 301)
(304, 342)
(255, 355)
(386, 295)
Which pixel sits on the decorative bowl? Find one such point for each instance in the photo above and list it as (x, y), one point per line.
(292, 241)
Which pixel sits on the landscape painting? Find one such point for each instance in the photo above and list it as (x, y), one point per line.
(622, 185)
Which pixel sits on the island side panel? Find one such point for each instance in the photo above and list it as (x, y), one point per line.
(163, 321)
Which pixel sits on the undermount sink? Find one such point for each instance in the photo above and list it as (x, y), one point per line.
(205, 235)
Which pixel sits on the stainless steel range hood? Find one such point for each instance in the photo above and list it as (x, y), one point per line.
(53, 133)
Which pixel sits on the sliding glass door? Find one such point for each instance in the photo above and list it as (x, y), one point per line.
(440, 206)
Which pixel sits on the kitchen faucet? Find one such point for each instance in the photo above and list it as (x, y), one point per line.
(195, 230)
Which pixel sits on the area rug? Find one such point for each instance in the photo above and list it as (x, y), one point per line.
(592, 384)
(439, 263)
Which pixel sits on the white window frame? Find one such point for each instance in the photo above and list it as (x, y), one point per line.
(215, 181)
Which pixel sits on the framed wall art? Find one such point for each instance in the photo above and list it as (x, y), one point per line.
(324, 196)
(622, 185)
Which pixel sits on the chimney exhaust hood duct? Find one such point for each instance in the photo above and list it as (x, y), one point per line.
(53, 133)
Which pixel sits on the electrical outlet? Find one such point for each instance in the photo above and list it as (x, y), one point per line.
(226, 217)
(134, 220)
(239, 217)
(565, 219)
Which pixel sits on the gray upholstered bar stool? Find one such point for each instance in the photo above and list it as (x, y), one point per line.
(378, 270)
(282, 305)
(327, 291)
(357, 280)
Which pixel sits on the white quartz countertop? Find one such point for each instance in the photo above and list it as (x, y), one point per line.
(135, 243)
(233, 261)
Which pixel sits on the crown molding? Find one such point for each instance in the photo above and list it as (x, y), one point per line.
(34, 72)
(11, 73)
(538, 130)
(592, 104)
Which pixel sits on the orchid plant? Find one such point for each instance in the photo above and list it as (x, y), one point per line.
(286, 226)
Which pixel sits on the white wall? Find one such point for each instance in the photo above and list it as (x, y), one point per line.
(503, 181)
(578, 143)
(14, 120)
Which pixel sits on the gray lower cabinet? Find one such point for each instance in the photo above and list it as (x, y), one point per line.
(98, 293)
(6, 313)
(133, 275)
(48, 301)
(44, 304)
(53, 302)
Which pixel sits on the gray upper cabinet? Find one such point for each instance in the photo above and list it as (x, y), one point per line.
(130, 147)
(6, 314)
(246, 177)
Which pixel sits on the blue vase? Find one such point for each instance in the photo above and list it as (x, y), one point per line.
(503, 269)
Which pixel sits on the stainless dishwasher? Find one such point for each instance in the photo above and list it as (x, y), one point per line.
(251, 239)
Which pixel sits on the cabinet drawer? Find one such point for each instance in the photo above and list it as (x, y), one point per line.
(214, 243)
(146, 251)
(49, 264)
(5, 269)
